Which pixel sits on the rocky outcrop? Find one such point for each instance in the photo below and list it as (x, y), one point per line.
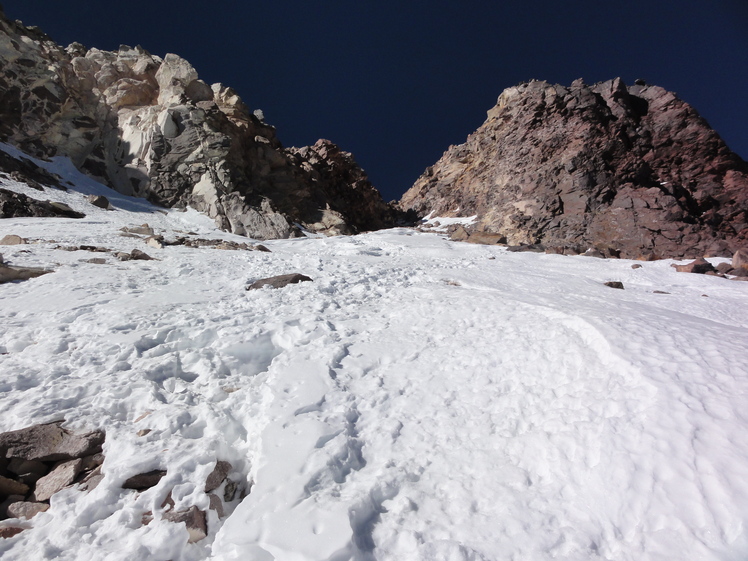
(15, 205)
(629, 170)
(148, 126)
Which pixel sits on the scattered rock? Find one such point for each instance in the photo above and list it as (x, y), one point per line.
(636, 266)
(9, 531)
(260, 247)
(143, 432)
(724, 268)
(10, 274)
(459, 234)
(529, 247)
(194, 520)
(27, 471)
(143, 230)
(699, 266)
(144, 481)
(659, 292)
(615, 284)
(12, 239)
(99, 201)
(60, 477)
(49, 442)
(217, 476)
(155, 241)
(26, 510)
(122, 256)
(92, 480)
(279, 281)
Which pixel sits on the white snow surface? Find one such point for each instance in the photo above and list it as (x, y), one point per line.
(421, 399)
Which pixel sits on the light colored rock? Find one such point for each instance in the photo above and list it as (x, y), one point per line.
(9, 274)
(26, 510)
(12, 239)
(155, 241)
(49, 442)
(59, 478)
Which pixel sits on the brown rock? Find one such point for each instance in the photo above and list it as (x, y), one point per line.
(138, 255)
(99, 201)
(636, 266)
(486, 238)
(194, 520)
(279, 281)
(26, 510)
(260, 247)
(49, 442)
(60, 477)
(614, 284)
(10, 274)
(724, 268)
(217, 476)
(740, 259)
(216, 504)
(12, 487)
(9, 531)
(459, 234)
(92, 480)
(144, 481)
(609, 165)
(699, 266)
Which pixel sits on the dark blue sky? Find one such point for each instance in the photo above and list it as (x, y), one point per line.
(397, 82)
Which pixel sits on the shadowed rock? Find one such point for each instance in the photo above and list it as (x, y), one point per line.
(700, 266)
(217, 476)
(279, 281)
(60, 477)
(18, 205)
(144, 481)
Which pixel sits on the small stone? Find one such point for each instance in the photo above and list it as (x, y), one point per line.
(12, 239)
(143, 432)
(279, 281)
(217, 476)
(659, 292)
(12, 487)
(636, 266)
(10, 531)
(260, 247)
(60, 477)
(26, 510)
(615, 284)
(144, 481)
(99, 201)
(194, 519)
(123, 256)
(229, 492)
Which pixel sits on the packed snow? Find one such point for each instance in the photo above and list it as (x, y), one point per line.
(421, 399)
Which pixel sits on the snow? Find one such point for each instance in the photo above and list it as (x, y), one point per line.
(422, 399)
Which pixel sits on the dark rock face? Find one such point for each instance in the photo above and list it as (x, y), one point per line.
(150, 127)
(15, 205)
(615, 167)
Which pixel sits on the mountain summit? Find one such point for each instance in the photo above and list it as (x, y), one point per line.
(629, 170)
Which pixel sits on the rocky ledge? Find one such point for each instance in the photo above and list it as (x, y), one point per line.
(148, 126)
(628, 170)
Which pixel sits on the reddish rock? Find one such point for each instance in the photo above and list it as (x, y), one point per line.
(9, 531)
(740, 259)
(630, 168)
(26, 509)
(700, 266)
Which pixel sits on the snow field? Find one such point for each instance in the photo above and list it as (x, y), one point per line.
(421, 399)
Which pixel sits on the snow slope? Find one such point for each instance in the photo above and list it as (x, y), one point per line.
(420, 400)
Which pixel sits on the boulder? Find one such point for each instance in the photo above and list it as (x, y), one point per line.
(194, 520)
(10, 274)
(699, 266)
(99, 201)
(12, 239)
(740, 259)
(144, 481)
(279, 281)
(217, 476)
(26, 509)
(61, 476)
(49, 442)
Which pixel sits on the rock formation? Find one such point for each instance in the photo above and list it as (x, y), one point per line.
(149, 127)
(629, 170)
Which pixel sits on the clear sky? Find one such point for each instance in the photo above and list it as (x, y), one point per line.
(397, 82)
